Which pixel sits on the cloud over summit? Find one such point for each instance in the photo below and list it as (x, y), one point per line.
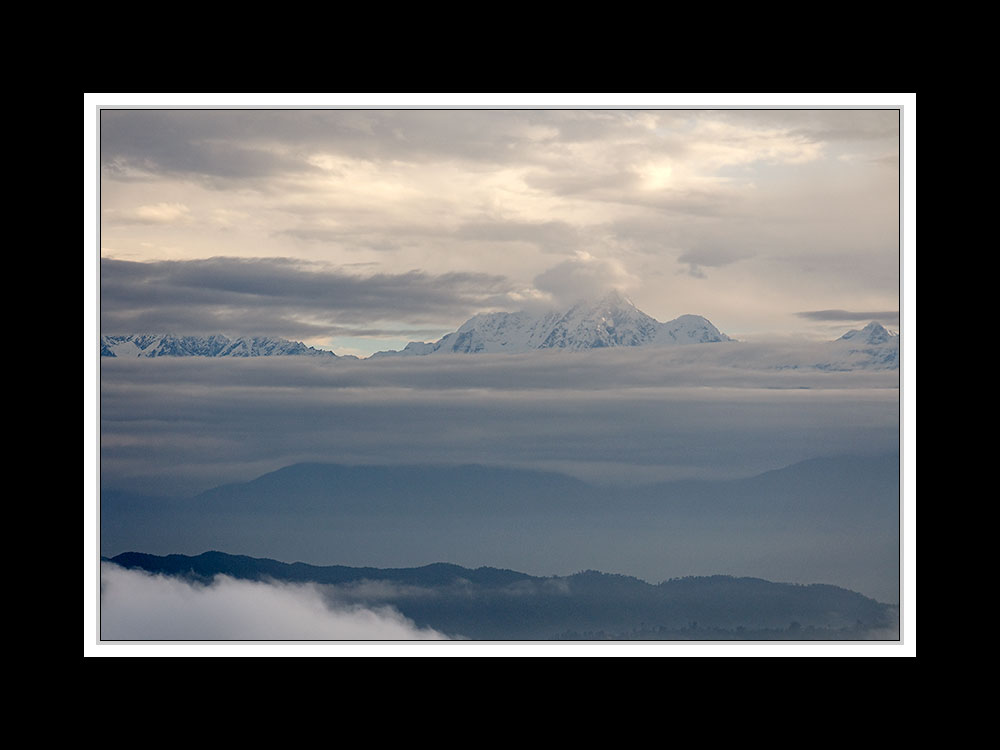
(582, 277)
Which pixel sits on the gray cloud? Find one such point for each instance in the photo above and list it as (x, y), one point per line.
(582, 277)
(695, 272)
(220, 145)
(594, 183)
(712, 256)
(547, 235)
(136, 605)
(623, 188)
(189, 142)
(886, 317)
(357, 233)
(357, 237)
(889, 160)
(836, 125)
(279, 296)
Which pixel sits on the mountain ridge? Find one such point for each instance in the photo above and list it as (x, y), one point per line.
(611, 321)
(501, 604)
(216, 345)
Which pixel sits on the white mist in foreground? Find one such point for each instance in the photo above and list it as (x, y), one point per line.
(136, 605)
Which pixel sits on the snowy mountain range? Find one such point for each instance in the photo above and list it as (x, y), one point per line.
(874, 346)
(168, 345)
(611, 321)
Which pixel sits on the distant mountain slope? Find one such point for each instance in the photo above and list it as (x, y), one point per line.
(834, 520)
(494, 604)
(851, 482)
(608, 322)
(168, 345)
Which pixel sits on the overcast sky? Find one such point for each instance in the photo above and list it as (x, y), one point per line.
(360, 230)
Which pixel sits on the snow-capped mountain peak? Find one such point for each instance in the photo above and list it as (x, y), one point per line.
(691, 329)
(872, 347)
(872, 334)
(610, 321)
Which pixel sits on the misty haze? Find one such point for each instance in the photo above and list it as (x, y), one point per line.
(563, 375)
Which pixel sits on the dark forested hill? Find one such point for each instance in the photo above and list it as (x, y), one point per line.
(494, 604)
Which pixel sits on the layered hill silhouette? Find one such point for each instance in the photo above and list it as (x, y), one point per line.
(834, 520)
(496, 604)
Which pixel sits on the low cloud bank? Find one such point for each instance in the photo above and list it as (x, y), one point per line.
(138, 606)
(180, 426)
